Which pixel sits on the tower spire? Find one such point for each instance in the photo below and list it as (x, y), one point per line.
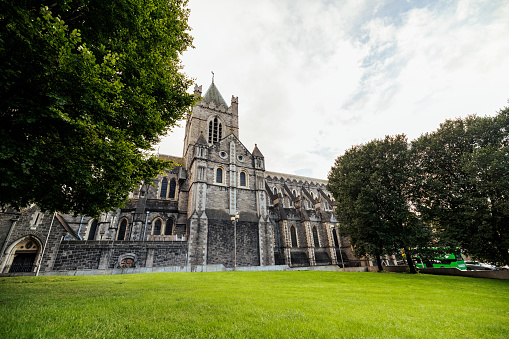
(212, 76)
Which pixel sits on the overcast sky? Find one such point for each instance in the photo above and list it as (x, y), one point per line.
(316, 77)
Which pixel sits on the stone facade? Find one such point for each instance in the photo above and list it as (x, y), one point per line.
(217, 205)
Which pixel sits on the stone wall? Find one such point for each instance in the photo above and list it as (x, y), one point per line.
(73, 255)
(221, 245)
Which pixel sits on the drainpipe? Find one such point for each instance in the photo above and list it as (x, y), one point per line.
(45, 243)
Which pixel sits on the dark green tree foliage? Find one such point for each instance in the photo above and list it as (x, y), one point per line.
(87, 87)
(462, 184)
(370, 184)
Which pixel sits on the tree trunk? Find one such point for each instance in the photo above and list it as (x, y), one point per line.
(379, 263)
(410, 262)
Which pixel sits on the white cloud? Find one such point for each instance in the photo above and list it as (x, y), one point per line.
(315, 78)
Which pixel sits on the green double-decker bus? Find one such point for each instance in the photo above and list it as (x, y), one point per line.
(436, 258)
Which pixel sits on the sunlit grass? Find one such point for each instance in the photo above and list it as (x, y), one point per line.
(254, 304)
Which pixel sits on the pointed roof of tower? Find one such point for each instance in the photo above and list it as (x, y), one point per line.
(256, 152)
(214, 95)
(201, 139)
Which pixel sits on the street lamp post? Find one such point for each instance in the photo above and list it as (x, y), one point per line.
(234, 219)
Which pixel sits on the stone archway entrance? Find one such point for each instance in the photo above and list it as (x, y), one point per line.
(23, 256)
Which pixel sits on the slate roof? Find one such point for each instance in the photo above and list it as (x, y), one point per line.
(256, 152)
(214, 95)
(201, 139)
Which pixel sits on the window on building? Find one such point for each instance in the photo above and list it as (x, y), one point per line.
(92, 231)
(275, 191)
(157, 227)
(243, 180)
(219, 175)
(168, 230)
(315, 237)
(122, 230)
(293, 234)
(164, 188)
(173, 186)
(215, 130)
(335, 236)
(294, 192)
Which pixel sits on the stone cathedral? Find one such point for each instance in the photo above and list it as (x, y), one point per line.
(219, 208)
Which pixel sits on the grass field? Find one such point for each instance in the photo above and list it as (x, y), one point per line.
(254, 304)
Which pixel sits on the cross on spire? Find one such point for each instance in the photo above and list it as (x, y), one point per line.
(212, 76)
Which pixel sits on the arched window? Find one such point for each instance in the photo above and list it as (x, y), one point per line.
(219, 175)
(293, 234)
(294, 192)
(315, 237)
(122, 229)
(275, 191)
(157, 227)
(168, 230)
(173, 185)
(243, 180)
(164, 188)
(215, 130)
(335, 236)
(92, 230)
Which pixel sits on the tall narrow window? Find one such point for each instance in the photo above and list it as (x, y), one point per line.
(210, 131)
(275, 191)
(157, 227)
(315, 237)
(164, 188)
(243, 179)
(219, 175)
(122, 229)
(168, 230)
(293, 234)
(93, 230)
(335, 236)
(173, 185)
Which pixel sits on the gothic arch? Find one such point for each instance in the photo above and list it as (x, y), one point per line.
(23, 255)
(122, 229)
(215, 129)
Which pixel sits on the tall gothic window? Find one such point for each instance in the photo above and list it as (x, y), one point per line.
(157, 227)
(173, 185)
(122, 229)
(315, 237)
(215, 130)
(243, 181)
(335, 236)
(164, 188)
(219, 175)
(293, 234)
(168, 230)
(93, 230)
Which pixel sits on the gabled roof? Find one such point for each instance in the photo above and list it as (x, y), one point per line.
(201, 139)
(256, 152)
(214, 95)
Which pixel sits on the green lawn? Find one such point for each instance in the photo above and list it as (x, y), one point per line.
(254, 304)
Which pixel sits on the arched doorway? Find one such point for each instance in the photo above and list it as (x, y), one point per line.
(23, 255)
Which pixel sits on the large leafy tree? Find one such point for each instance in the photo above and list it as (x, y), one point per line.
(370, 183)
(462, 184)
(87, 87)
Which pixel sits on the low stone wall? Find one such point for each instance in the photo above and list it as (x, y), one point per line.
(100, 255)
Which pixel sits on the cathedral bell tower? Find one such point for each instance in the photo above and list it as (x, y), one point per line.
(211, 117)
